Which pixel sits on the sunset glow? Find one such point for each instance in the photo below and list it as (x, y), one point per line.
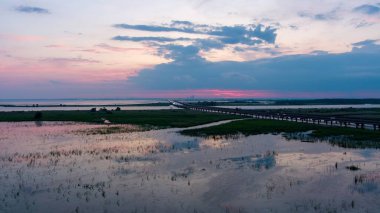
(123, 49)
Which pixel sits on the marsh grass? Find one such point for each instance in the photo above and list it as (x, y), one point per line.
(345, 137)
(158, 118)
(104, 130)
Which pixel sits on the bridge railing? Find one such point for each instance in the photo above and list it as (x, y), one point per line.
(279, 115)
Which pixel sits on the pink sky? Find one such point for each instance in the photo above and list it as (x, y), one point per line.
(105, 49)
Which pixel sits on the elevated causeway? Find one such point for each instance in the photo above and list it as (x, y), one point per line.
(295, 117)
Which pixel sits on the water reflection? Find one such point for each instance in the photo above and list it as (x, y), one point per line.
(190, 145)
(340, 141)
(58, 165)
(38, 123)
(258, 162)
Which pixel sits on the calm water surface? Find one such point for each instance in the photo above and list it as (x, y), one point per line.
(27, 105)
(63, 166)
(94, 103)
(76, 102)
(12, 109)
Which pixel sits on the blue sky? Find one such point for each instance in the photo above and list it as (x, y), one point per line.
(206, 48)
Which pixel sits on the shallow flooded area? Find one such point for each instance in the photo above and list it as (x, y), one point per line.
(75, 167)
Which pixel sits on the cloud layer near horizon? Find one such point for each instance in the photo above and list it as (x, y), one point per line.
(358, 70)
(244, 48)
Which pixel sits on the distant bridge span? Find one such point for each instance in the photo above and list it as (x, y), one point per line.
(295, 117)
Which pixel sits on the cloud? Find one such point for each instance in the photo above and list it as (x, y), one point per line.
(270, 51)
(367, 46)
(66, 61)
(208, 44)
(116, 49)
(148, 39)
(180, 53)
(213, 37)
(365, 43)
(362, 23)
(367, 9)
(153, 28)
(331, 15)
(355, 71)
(28, 9)
(244, 34)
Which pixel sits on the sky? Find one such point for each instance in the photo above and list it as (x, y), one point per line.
(189, 48)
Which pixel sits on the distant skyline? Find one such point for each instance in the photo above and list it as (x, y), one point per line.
(201, 48)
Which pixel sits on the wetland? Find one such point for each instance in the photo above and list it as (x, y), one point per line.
(182, 161)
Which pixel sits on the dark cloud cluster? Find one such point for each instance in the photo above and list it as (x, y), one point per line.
(243, 34)
(179, 53)
(175, 26)
(358, 70)
(368, 9)
(217, 37)
(28, 9)
(367, 46)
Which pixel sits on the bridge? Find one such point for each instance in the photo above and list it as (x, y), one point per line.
(286, 116)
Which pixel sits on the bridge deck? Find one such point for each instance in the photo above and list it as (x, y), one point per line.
(296, 117)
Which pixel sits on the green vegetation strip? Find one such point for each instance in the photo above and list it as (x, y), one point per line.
(363, 113)
(157, 118)
(363, 137)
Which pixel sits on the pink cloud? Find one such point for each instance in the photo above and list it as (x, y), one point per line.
(66, 61)
(57, 69)
(89, 50)
(123, 49)
(74, 49)
(57, 46)
(101, 48)
(226, 93)
(206, 93)
(233, 93)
